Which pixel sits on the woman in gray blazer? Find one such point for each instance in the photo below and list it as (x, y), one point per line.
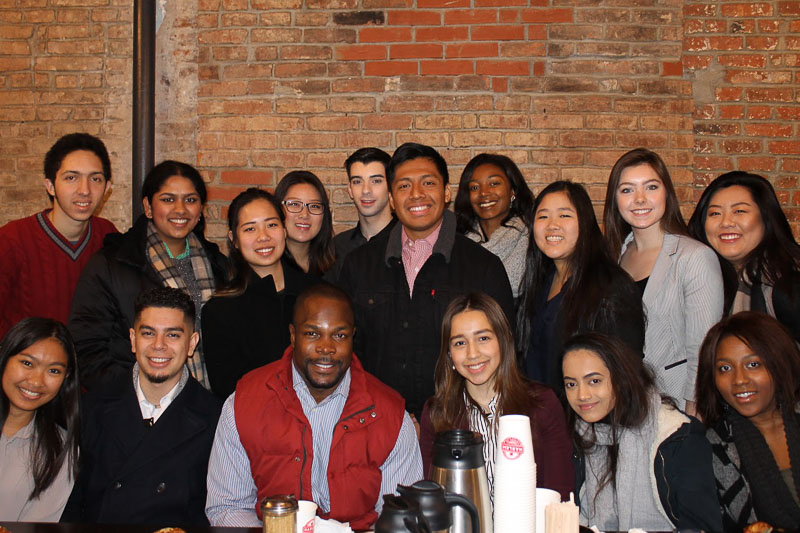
(680, 278)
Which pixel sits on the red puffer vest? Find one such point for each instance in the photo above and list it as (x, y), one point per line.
(276, 435)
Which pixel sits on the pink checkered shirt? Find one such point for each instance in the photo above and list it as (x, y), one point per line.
(415, 253)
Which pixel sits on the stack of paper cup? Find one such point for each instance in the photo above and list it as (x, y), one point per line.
(514, 476)
(544, 497)
(306, 511)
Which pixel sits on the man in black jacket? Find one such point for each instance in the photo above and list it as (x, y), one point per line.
(146, 437)
(402, 281)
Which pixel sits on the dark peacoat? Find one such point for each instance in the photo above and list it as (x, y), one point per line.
(133, 474)
(102, 308)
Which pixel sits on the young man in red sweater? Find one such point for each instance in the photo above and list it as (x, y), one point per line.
(41, 256)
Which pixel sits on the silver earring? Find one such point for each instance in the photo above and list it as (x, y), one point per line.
(513, 197)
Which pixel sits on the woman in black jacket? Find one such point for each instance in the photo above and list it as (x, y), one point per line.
(164, 247)
(571, 284)
(246, 324)
(740, 217)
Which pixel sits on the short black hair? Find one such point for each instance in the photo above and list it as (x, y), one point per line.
(410, 151)
(72, 142)
(325, 290)
(366, 156)
(165, 297)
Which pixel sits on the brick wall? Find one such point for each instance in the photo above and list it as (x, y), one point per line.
(250, 89)
(743, 59)
(64, 66)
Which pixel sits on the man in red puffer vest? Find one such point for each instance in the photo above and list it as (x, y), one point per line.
(313, 424)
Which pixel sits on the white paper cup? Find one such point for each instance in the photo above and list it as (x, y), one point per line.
(306, 511)
(514, 476)
(544, 497)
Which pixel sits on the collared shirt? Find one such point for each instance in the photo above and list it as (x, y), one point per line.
(415, 253)
(232, 493)
(155, 411)
(16, 481)
(323, 417)
(486, 425)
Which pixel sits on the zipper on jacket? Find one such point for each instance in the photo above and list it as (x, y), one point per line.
(664, 475)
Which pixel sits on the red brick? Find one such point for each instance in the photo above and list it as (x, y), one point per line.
(789, 7)
(738, 146)
(503, 68)
(506, 3)
(761, 43)
(386, 121)
(789, 113)
(713, 163)
(506, 32)
(409, 51)
(453, 33)
(305, 52)
(471, 50)
(438, 122)
(414, 18)
(442, 3)
(742, 60)
(769, 95)
(768, 130)
(728, 94)
(254, 177)
(731, 111)
(759, 112)
(470, 16)
(550, 15)
(784, 147)
(752, 9)
(225, 194)
(361, 52)
(390, 68)
(407, 103)
(448, 67)
(750, 164)
(523, 49)
(696, 62)
(384, 35)
(222, 36)
(672, 68)
(300, 70)
(62, 63)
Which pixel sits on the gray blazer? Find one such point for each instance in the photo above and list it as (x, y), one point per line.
(683, 299)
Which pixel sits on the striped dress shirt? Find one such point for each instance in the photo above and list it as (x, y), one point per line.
(232, 493)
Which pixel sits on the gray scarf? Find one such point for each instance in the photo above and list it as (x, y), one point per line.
(509, 242)
(632, 501)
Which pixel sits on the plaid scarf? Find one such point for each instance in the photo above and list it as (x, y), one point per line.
(166, 268)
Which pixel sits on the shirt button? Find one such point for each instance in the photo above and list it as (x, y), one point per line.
(117, 485)
(161, 487)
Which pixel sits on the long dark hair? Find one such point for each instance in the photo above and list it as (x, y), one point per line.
(515, 395)
(591, 272)
(632, 383)
(165, 170)
(769, 339)
(49, 449)
(776, 259)
(239, 270)
(616, 228)
(466, 219)
(321, 253)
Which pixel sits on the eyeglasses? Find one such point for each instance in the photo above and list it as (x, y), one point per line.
(296, 206)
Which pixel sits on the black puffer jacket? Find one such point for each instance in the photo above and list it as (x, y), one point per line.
(398, 337)
(102, 308)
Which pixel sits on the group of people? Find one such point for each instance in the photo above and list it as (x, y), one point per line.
(657, 361)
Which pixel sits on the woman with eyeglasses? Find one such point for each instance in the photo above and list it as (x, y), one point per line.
(309, 225)
(246, 324)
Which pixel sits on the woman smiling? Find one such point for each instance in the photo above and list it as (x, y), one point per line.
(748, 388)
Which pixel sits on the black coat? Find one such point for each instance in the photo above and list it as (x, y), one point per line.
(102, 308)
(132, 474)
(398, 336)
(242, 333)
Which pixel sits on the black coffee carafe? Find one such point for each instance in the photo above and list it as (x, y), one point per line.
(436, 505)
(400, 515)
(458, 466)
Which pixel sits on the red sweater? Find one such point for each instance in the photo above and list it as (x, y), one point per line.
(276, 435)
(39, 267)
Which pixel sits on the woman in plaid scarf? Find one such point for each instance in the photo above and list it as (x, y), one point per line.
(164, 247)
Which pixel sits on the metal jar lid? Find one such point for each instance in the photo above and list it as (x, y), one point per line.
(279, 505)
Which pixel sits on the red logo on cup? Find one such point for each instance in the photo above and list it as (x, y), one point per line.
(512, 448)
(309, 527)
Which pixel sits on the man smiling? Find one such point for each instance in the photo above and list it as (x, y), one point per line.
(41, 256)
(313, 424)
(402, 281)
(146, 438)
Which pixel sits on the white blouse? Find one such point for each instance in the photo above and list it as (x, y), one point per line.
(16, 482)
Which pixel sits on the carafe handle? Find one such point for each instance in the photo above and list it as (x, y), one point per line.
(453, 500)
